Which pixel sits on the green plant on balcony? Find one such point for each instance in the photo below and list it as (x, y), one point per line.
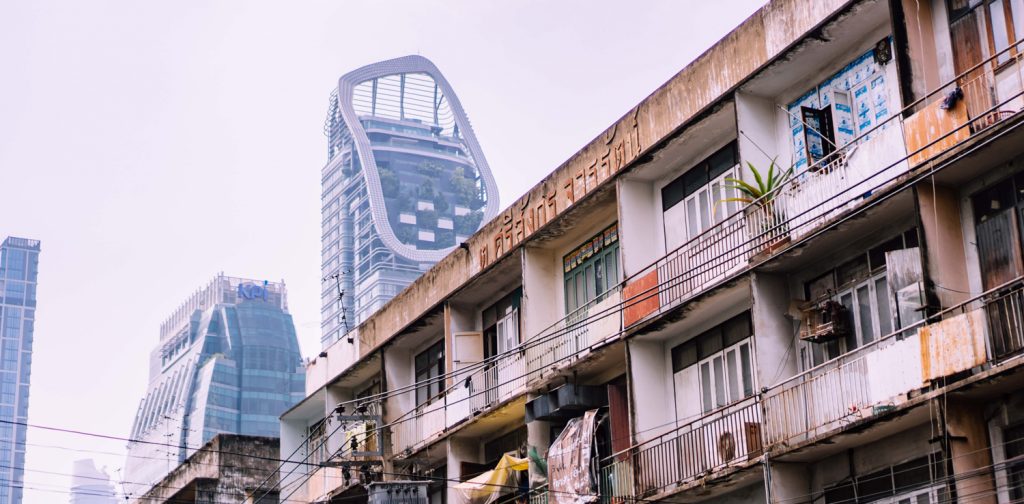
(430, 169)
(426, 190)
(465, 188)
(389, 184)
(761, 203)
(466, 225)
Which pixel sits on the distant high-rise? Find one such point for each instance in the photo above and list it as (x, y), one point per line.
(19, 266)
(90, 485)
(228, 361)
(404, 184)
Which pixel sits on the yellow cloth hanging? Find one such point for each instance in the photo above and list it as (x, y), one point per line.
(487, 487)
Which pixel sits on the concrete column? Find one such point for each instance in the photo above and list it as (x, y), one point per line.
(945, 256)
(651, 392)
(788, 482)
(641, 233)
(774, 335)
(460, 450)
(970, 451)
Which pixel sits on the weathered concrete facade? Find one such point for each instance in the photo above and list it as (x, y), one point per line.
(229, 469)
(850, 333)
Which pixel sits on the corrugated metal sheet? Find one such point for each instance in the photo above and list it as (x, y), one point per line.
(953, 345)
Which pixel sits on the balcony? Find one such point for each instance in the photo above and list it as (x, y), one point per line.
(476, 390)
(570, 338)
(831, 188)
(871, 381)
(726, 438)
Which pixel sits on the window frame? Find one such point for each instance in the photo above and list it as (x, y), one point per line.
(600, 252)
(432, 368)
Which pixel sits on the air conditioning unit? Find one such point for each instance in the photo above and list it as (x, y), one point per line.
(824, 321)
(728, 443)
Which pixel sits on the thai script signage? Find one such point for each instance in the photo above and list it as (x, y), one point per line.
(618, 147)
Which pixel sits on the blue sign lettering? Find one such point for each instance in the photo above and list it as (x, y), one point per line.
(253, 291)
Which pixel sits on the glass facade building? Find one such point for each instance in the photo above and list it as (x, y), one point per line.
(405, 183)
(19, 267)
(228, 362)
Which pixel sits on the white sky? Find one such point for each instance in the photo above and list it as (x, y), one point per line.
(150, 145)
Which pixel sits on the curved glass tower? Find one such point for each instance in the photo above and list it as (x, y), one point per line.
(405, 183)
(228, 362)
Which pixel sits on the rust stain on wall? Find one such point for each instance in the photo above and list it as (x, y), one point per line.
(953, 345)
(946, 128)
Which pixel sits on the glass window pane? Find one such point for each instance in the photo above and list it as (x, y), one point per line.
(733, 377)
(705, 210)
(867, 330)
(588, 274)
(1000, 35)
(882, 300)
(705, 387)
(570, 295)
(748, 372)
(847, 301)
(599, 275)
(581, 290)
(719, 380)
(716, 194)
(692, 229)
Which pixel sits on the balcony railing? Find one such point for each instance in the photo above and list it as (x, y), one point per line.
(806, 405)
(830, 187)
(869, 381)
(729, 436)
(571, 337)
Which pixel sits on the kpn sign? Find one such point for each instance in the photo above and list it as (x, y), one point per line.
(253, 291)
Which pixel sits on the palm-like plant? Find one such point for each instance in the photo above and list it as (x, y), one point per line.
(766, 187)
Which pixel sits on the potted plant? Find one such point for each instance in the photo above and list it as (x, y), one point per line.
(763, 213)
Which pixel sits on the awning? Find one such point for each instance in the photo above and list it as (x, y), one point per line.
(487, 487)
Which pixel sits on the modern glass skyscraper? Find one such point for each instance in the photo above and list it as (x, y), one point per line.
(405, 183)
(90, 485)
(19, 267)
(228, 361)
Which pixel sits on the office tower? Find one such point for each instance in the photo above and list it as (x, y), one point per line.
(227, 362)
(405, 183)
(19, 266)
(90, 485)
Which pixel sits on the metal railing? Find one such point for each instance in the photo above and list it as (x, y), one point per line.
(728, 436)
(801, 205)
(585, 327)
(808, 200)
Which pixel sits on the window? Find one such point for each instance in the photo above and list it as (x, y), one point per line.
(691, 202)
(430, 367)
(591, 269)
(501, 324)
(846, 104)
(1014, 447)
(872, 306)
(998, 22)
(913, 482)
(723, 357)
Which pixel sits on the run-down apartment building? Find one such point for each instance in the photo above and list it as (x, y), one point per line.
(852, 335)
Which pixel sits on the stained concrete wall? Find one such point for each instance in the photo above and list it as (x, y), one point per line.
(708, 79)
(774, 332)
(224, 471)
(641, 234)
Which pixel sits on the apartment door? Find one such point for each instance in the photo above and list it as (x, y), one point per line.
(998, 211)
(967, 24)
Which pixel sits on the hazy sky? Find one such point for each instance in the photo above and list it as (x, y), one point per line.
(150, 145)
